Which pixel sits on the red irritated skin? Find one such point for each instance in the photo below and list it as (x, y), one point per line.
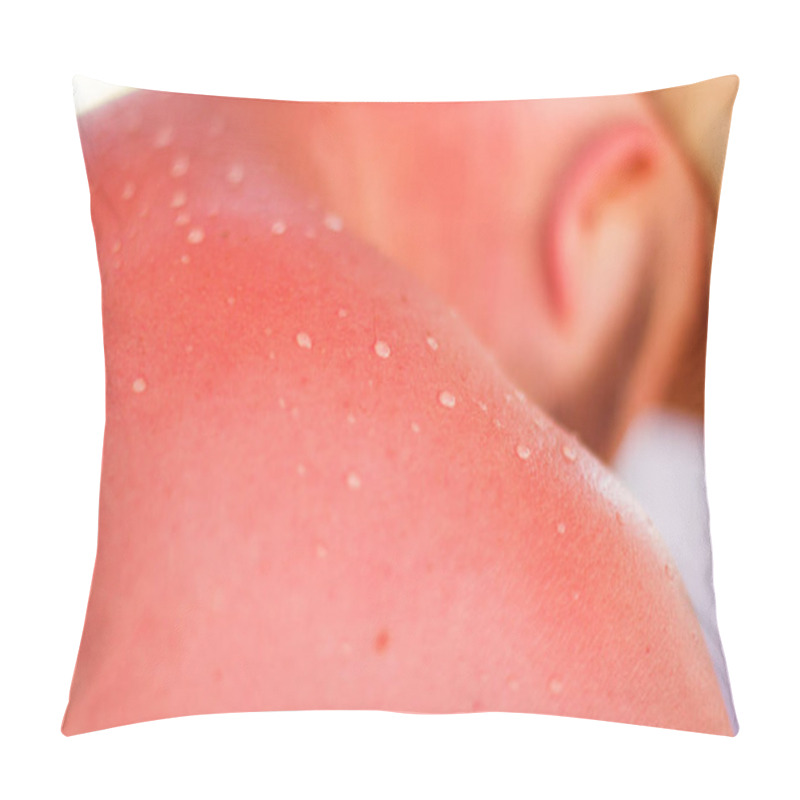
(319, 491)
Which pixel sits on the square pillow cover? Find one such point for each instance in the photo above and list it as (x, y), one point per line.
(404, 407)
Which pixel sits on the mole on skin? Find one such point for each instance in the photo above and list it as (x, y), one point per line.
(382, 641)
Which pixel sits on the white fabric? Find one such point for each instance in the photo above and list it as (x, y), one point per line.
(662, 462)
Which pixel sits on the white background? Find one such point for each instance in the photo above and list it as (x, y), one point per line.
(52, 389)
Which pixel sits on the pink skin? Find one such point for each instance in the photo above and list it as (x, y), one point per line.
(288, 527)
(542, 223)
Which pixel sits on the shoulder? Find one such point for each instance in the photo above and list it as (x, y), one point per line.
(319, 490)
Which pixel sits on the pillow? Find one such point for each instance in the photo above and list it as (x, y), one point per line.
(400, 402)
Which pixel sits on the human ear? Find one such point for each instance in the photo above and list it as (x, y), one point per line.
(596, 233)
(624, 219)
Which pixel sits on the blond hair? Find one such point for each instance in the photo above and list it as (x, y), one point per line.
(699, 117)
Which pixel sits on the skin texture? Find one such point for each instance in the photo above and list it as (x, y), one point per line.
(572, 235)
(319, 490)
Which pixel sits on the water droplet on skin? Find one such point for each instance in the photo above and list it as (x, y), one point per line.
(520, 395)
(569, 452)
(353, 481)
(185, 259)
(333, 222)
(482, 406)
(139, 385)
(235, 174)
(282, 403)
(301, 470)
(342, 313)
(497, 423)
(178, 200)
(182, 219)
(128, 190)
(304, 340)
(351, 419)
(382, 350)
(668, 571)
(415, 427)
(164, 137)
(279, 227)
(322, 551)
(180, 167)
(196, 235)
(447, 399)
(561, 527)
(576, 594)
(523, 452)
(432, 343)
(508, 397)
(116, 247)
(555, 686)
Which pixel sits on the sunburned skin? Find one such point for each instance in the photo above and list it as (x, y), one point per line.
(319, 491)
